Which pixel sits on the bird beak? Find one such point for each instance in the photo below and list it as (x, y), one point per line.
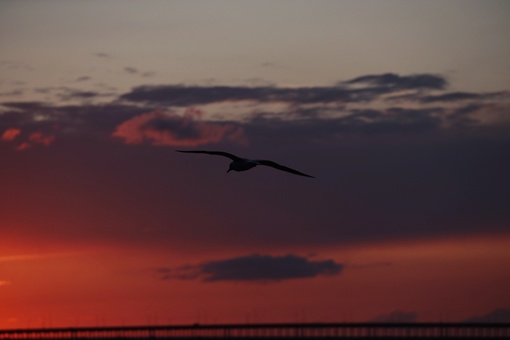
(228, 170)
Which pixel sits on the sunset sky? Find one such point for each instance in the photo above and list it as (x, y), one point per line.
(399, 108)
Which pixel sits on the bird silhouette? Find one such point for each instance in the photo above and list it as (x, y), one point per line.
(243, 164)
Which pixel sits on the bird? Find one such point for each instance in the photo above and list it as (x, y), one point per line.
(243, 164)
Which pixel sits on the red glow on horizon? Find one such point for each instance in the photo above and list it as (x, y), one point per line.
(116, 286)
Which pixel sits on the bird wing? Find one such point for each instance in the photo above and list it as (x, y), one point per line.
(281, 167)
(218, 153)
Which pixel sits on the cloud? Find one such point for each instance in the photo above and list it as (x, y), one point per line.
(69, 94)
(36, 138)
(344, 108)
(256, 267)
(453, 97)
(397, 316)
(422, 104)
(15, 92)
(149, 74)
(96, 121)
(397, 82)
(26, 106)
(135, 71)
(33, 139)
(82, 78)
(64, 93)
(450, 97)
(499, 315)
(164, 128)
(103, 55)
(130, 70)
(343, 92)
(391, 120)
(179, 95)
(10, 134)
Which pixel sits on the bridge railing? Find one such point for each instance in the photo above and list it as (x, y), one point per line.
(290, 330)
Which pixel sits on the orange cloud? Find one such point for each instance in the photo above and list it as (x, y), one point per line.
(163, 128)
(36, 138)
(10, 134)
(40, 138)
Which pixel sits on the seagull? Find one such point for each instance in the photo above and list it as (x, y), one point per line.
(243, 164)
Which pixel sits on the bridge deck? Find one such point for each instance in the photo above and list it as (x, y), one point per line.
(268, 331)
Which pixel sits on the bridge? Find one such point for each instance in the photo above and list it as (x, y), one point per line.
(270, 331)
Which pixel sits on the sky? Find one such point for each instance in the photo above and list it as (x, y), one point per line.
(399, 109)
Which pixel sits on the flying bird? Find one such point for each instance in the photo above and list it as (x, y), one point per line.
(243, 164)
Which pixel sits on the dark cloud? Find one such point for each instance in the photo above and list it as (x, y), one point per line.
(103, 55)
(450, 97)
(397, 82)
(68, 94)
(391, 120)
(81, 119)
(131, 70)
(148, 74)
(25, 107)
(462, 96)
(376, 85)
(329, 120)
(64, 93)
(254, 267)
(462, 117)
(135, 71)
(397, 316)
(180, 95)
(499, 315)
(17, 92)
(83, 78)
(16, 65)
